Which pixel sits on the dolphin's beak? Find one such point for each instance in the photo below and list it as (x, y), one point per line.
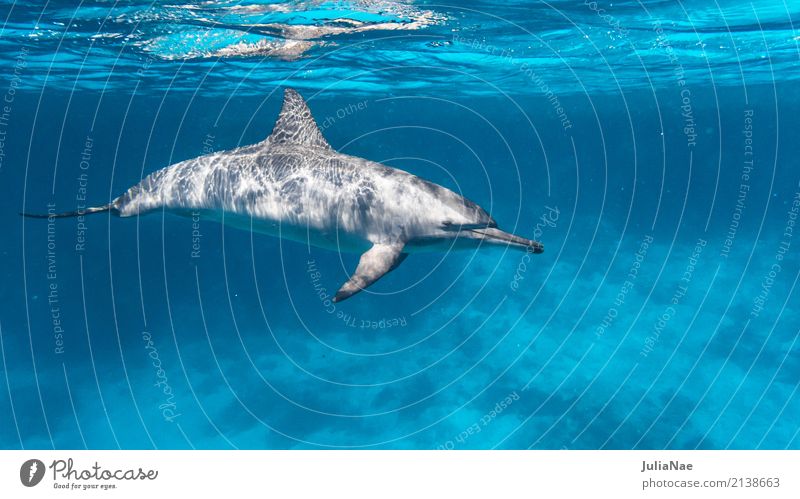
(497, 236)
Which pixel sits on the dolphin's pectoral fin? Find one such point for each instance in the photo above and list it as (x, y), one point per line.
(374, 264)
(296, 125)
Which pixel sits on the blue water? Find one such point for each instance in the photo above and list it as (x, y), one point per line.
(652, 147)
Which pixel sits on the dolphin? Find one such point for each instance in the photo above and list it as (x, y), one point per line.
(294, 185)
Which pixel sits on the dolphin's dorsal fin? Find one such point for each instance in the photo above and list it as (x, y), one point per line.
(374, 264)
(296, 125)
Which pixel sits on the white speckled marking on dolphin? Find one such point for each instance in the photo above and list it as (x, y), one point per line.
(295, 186)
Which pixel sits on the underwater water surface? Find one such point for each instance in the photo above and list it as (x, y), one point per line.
(651, 146)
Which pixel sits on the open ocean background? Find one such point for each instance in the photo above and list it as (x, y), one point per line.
(658, 139)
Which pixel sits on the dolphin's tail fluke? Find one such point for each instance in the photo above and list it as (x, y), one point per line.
(76, 213)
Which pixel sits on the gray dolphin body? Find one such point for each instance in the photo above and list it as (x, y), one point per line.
(295, 186)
